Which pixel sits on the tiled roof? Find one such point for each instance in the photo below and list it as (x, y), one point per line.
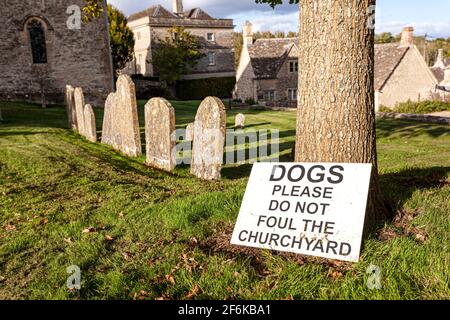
(157, 11)
(197, 13)
(439, 73)
(387, 58)
(267, 56)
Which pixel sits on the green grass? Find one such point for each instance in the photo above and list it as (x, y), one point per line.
(170, 230)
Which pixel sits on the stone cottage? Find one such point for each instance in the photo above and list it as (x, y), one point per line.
(41, 52)
(401, 73)
(268, 71)
(215, 36)
(441, 71)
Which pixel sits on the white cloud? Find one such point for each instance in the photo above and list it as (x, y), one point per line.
(432, 29)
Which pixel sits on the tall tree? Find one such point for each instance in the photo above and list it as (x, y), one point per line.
(121, 38)
(336, 112)
(176, 54)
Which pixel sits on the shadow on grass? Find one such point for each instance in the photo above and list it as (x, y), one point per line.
(398, 187)
(409, 129)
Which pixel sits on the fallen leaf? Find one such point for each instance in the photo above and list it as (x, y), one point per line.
(121, 215)
(125, 255)
(44, 221)
(68, 240)
(336, 274)
(89, 230)
(109, 238)
(10, 227)
(170, 279)
(195, 290)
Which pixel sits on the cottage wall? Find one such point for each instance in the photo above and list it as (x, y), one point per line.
(409, 80)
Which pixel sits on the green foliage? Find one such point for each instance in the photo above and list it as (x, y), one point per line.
(274, 3)
(385, 37)
(422, 107)
(383, 108)
(121, 38)
(202, 88)
(250, 101)
(92, 10)
(176, 54)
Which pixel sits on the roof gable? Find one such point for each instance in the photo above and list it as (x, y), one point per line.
(197, 13)
(157, 11)
(268, 55)
(387, 58)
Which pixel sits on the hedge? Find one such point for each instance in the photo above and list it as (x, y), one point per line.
(202, 88)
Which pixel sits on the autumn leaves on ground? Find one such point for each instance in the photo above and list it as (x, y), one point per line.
(137, 233)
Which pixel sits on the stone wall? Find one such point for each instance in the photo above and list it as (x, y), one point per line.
(80, 58)
(245, 86)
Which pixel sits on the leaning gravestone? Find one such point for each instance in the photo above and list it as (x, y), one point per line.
(79, 109)
(90, 127)
(159, 126)
(209, 139)
(107, 128)
(121, 125)
(190, 132)
(70, 107)
(239, 121)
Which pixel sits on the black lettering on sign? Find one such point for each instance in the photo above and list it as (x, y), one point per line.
(280, 175)
(338, 175)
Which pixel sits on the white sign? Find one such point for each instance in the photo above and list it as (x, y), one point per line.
(307, 208)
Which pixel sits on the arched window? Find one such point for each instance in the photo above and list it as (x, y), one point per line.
(37, 41)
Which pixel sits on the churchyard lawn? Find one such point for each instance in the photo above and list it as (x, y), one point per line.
(138, 233)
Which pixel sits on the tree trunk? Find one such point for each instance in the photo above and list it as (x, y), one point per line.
(336, 112)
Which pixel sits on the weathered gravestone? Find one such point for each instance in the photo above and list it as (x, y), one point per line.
(209, 139)
(79, 109)
(239, 121)
(190, 132)
(90, 127)
(159, 126)
(70, 107)
(120, 123)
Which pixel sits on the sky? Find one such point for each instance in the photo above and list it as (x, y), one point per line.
(431, 17)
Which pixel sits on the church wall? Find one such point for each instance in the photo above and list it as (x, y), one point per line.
(76, 57)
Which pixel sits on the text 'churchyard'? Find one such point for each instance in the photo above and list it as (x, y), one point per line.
(307, 208)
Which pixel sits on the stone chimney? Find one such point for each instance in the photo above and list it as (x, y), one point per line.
(248, 34)
(178, 7)
(407, 37)
(440, 60)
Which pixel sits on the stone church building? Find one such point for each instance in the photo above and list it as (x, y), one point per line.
(215, 37)
(268, 71)
(40, 54)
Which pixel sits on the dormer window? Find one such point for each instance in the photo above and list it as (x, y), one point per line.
(293, 66)
(210, 36)
(37, 41)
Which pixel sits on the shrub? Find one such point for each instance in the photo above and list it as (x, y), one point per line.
(383, 108)
(422, 107)
(200, 89)
(250, 101)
